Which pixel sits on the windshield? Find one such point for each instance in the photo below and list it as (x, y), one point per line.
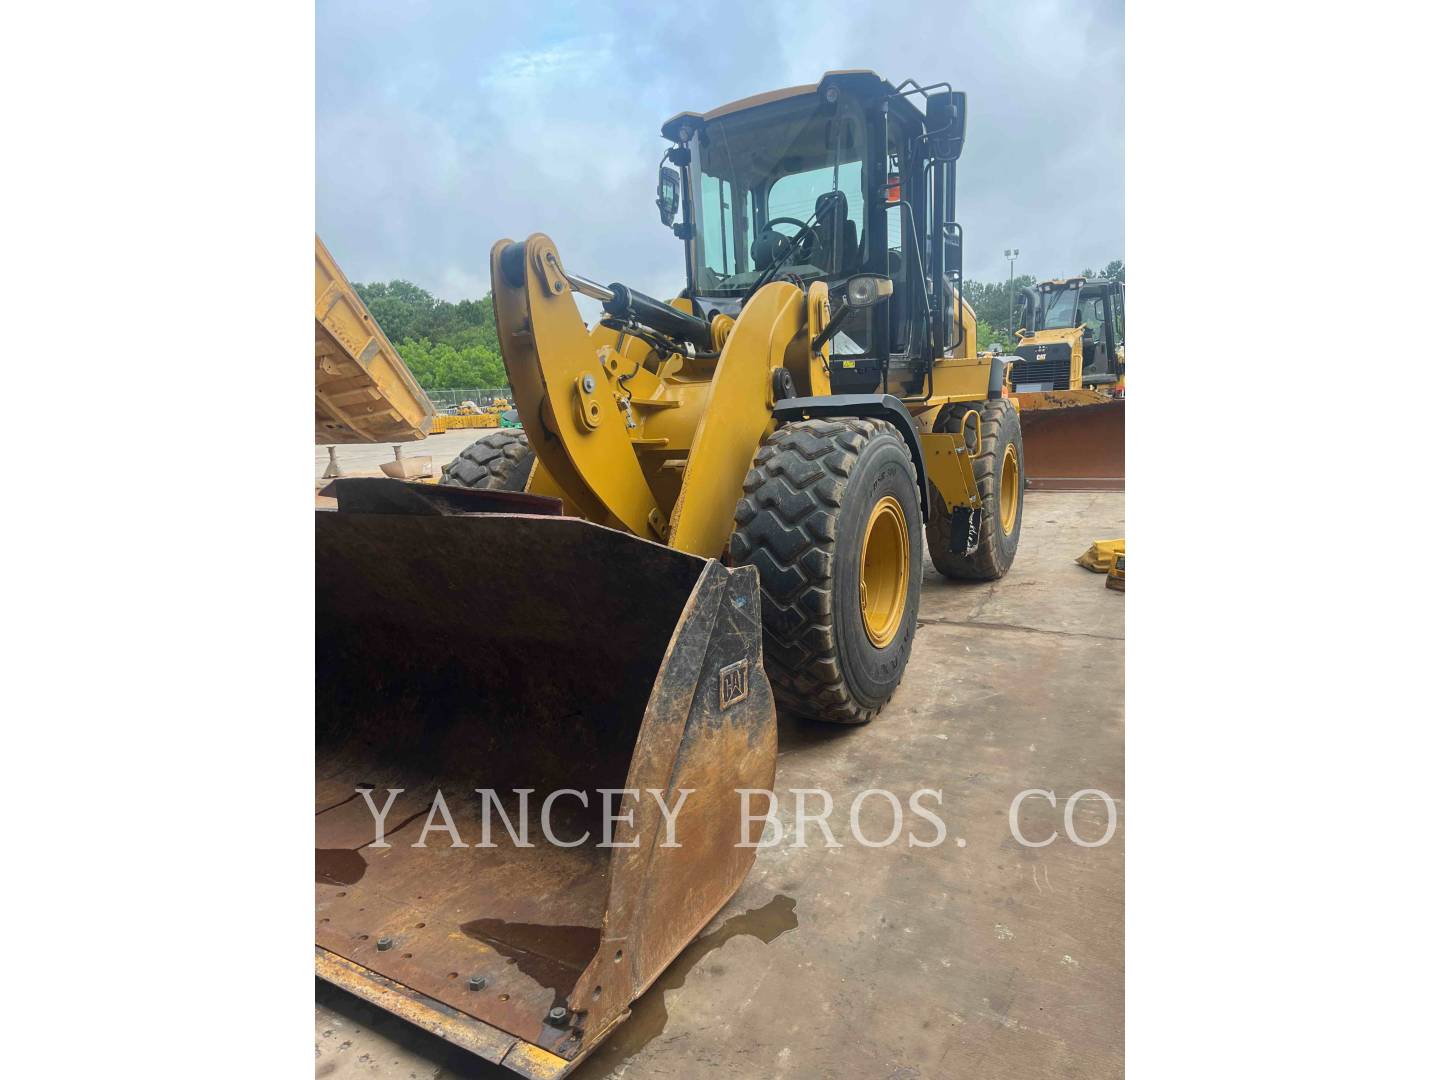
(802, 160)
(1058, 309)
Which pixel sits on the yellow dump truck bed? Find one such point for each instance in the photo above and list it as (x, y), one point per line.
(364, 393)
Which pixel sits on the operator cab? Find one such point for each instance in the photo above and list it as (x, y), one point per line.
(1094, 305)
(849, 176)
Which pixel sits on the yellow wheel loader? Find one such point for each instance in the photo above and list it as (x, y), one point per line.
(1069, 379)
(753, 460)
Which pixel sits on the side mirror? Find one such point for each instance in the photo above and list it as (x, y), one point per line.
(945, 125)
(667, 193)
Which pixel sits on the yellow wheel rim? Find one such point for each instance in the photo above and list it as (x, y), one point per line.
(884, 572)
(1009, 490)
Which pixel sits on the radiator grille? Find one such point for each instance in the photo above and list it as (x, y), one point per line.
(1053, 367)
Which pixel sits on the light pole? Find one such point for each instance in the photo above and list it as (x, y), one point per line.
(1012, 255)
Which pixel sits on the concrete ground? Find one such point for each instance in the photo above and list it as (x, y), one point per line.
(367, 457)
(987, 959)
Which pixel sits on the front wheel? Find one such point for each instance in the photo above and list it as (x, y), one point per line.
(499, 461)
(831, 519)
(1000, 475)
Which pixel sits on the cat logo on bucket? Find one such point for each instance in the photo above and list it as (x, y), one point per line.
(734, 683)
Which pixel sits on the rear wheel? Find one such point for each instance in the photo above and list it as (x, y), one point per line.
(501, 460)
(1000, 475)
(831, 519)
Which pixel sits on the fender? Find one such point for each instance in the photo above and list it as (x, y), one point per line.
(871, 406)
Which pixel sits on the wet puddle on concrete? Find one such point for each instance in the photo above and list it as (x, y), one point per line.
(648, 1015)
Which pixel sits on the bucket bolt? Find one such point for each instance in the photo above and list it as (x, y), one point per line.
(557, 1016)
(477, 982)
(385, 943)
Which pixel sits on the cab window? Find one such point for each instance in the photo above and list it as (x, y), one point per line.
(725, 226)
(1059, 309)
(795, 196)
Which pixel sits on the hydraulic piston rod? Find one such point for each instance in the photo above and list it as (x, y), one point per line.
(626, 303)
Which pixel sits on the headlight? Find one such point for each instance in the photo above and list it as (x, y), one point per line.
(866, 289)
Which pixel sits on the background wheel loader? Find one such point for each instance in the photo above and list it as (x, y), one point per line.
(756, 458)
(1070, 383)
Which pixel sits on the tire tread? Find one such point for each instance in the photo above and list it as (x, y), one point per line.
(786, 526)
(988, 563)
(500, 460)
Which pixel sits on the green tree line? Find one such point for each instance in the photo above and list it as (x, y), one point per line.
(454, 346)
(447, 346)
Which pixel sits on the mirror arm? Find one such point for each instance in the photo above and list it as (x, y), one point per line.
(831, 328)
(685, 231)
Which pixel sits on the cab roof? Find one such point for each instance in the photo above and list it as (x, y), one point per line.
(1071, 282)
(856, 78)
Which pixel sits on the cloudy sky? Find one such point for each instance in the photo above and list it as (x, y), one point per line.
(444, 125)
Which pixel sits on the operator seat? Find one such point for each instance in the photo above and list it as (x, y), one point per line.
(828, 207)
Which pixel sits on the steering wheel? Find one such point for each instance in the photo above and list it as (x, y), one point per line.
(771, 245)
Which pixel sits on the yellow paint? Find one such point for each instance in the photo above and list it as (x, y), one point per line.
(959, 380)
(1100, 556)
(542, 483)
(363, 390)
(551, 360)
(460, 1029)
(962, 374)
(817, 371)
(966, 315)
(1073, 338)
(950, 469)
(1009, 490)
(1064, 399)
(660, 446)
(1069, 336)
(449, 422)
(531, 1061)
(735, 419)
(884, 571)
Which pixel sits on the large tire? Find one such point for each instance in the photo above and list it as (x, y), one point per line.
(501, 460)
(999, 439)
(817, 490)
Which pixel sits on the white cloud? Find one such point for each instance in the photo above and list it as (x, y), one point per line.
(442, 127)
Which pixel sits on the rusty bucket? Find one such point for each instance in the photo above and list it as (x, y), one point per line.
(1073, 443)
(523, 665)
